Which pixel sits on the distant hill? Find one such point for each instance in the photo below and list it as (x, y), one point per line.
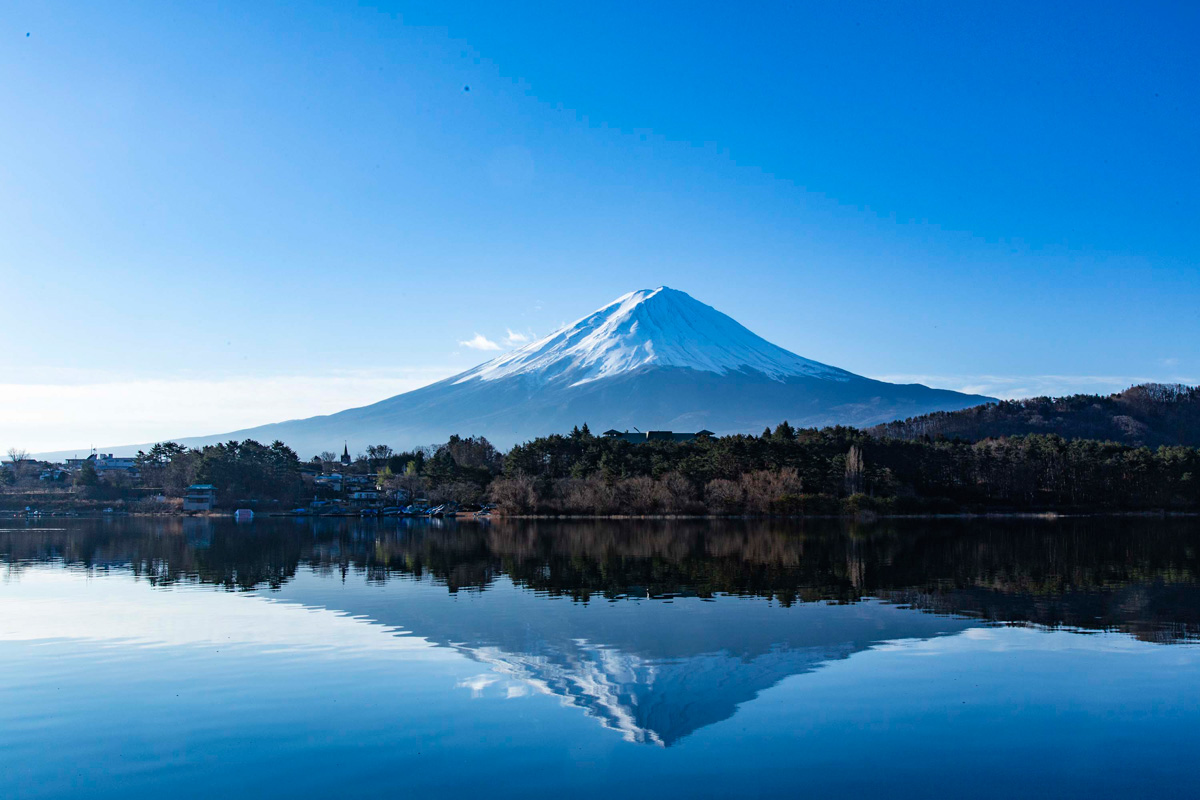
(1152, 414)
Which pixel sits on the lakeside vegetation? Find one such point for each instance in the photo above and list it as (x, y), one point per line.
(782, 472)
(843, 471)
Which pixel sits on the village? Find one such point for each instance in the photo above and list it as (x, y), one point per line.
(326, 485)
(451, 479)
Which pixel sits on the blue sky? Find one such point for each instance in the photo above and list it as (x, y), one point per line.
(235, 213)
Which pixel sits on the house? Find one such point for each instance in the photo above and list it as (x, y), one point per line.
(332, 481)
(104, 462)
(200, 497)
(656, 436)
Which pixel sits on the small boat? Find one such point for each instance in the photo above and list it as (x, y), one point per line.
(243, 515)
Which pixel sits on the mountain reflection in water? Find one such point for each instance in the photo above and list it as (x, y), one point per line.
(611, 615)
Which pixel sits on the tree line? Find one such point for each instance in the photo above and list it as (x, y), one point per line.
(1151, 414)
(842, 470)
(781, 472)
(245, 470)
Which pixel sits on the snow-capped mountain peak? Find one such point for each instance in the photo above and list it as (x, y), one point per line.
(654, 359)
(659, 327)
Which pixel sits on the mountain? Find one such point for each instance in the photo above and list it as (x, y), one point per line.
(654, 672)
(652, 359)
(1151, 414)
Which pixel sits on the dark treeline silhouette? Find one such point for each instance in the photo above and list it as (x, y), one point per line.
(458, 471)
(1136, 575)
(1151, 414)
(238, 470)
(841, 470)
(1134, 451)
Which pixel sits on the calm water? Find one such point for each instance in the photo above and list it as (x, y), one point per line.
(194, 658)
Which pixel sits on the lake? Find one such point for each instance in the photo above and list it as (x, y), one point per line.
(324, 658)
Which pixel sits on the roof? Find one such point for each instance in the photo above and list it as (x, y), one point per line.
(656, 436)
(201, 487)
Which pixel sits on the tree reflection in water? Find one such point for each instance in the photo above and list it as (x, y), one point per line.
(1135, 575)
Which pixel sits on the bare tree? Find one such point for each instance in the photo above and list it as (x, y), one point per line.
(641, 494)
(18, 460)
(590, 495)
(461, 492)
(377, 454)
(770, 491)
(723, 496)
(854, 470)
(679, 493)
(514, 495)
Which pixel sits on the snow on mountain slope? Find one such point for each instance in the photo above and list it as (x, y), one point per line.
(653, 360)
(652, 327)
(654, 672)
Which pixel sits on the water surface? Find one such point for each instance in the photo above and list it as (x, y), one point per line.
(287, 658)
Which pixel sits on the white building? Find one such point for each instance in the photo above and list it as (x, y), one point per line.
(104, 462)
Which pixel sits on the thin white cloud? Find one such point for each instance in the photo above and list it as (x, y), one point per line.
(478, 683)
(516, 337)
(480, 342)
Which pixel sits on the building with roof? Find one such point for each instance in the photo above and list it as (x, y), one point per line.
(637, 437)
(200, 497)
(104, 462)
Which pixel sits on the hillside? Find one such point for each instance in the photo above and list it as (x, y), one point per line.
(1152, 414)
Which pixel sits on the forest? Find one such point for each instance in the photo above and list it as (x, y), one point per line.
(834, 471)
(1151, 414)
(1069, 455)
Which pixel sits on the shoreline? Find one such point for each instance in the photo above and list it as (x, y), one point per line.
(471, 517)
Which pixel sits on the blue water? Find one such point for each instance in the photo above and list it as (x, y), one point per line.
(144, 659)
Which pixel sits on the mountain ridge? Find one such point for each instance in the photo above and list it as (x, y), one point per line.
(1150, 414)
(651, 359)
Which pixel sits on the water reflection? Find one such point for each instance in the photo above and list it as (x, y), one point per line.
(658, 629)
(1138, 576)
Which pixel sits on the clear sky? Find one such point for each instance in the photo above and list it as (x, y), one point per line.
(237, 213)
